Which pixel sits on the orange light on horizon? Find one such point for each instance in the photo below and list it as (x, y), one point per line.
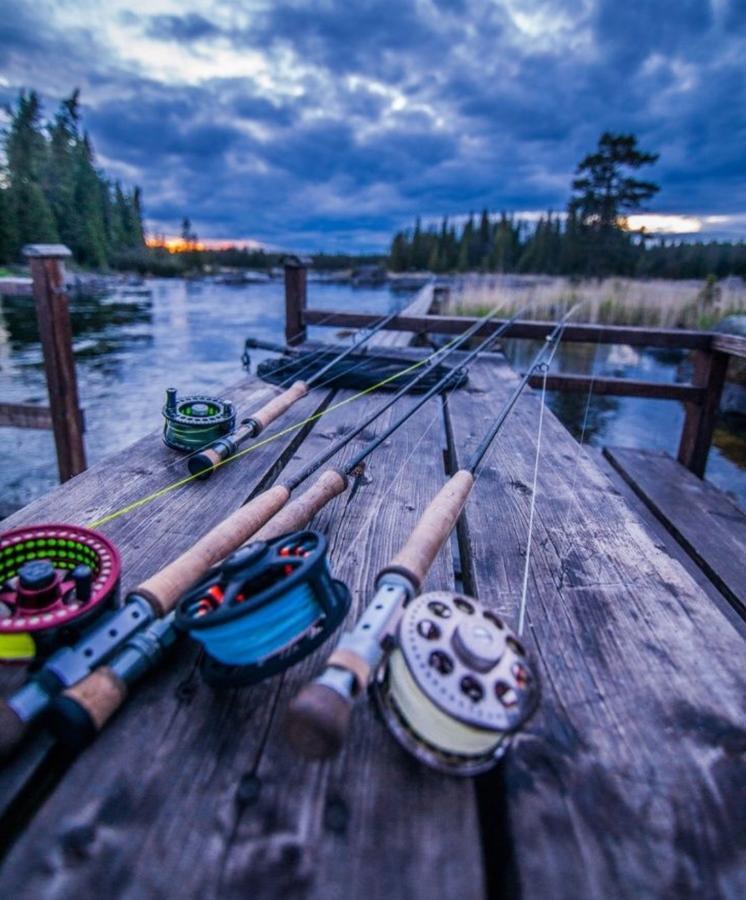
(177, 244)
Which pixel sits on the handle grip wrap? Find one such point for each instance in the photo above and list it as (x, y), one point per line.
(278, 405)
(299, 512)
(164, 589)
(432, 530)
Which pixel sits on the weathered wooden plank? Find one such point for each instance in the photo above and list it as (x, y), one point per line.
(154, 533)
(583, 333)
(630, 780)
(665, 540)
(25, 415)
(621, 387)
(419, 306)
(707, 524)
(732, 344)
(16, 287)
(197, 789)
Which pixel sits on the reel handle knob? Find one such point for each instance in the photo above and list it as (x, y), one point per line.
(82, 575)
(317, 721)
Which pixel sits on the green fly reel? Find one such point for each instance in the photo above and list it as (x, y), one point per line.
(192, 422)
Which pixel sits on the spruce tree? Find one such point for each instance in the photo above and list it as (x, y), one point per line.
(26, 154)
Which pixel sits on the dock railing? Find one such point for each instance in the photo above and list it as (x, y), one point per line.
(711, 352)
(63, 414)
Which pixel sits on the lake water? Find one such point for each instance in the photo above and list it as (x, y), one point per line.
(131, 346)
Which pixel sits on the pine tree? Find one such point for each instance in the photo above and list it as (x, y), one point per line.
(60, 172)
(90, 242)
(8, 241)
(26, 152)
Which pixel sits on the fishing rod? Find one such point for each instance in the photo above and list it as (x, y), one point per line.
(452, 681)
(194, 422)
(157, 596)
(203, 463)
(266, 607)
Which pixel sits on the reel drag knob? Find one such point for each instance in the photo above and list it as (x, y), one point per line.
(36, 575)
(457, 684)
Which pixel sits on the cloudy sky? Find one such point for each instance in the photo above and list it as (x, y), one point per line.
(330, 123)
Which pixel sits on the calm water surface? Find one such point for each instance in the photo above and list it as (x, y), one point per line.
(130, 346)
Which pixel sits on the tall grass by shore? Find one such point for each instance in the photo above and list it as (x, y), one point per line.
(611, 301)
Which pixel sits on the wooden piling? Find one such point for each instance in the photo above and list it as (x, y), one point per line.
(53, 315)
(295, 299)
(710, 369)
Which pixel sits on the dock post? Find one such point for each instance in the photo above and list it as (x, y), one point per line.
(53, 315)
(295, 299)
(710, 368)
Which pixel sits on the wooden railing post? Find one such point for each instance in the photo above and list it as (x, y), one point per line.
(710, 368)
(295, 299)
(53, 315)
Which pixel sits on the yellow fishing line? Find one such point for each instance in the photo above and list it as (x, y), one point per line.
(182, 481)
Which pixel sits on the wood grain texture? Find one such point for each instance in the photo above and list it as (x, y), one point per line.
(198, 789)
(707, 524)
(630, 780)
(419, 306)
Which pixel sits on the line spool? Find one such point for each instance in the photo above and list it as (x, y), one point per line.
(457, 684)
(264, 609)
(54, 581)
(192, 422)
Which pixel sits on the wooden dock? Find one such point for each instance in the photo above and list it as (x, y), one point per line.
(629, 782)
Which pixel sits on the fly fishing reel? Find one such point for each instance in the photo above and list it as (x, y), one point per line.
(192, 422)
(54, 581)
(457, 685)
(264, 609)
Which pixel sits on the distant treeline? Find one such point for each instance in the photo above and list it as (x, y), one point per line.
(52, 192)
(158, 261)
(558, 246)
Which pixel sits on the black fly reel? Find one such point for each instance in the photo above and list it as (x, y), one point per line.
(190, 423)
(263, 609)
(457, 684)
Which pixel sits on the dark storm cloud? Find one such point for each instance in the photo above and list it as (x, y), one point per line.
(190, 27)
(371, 113)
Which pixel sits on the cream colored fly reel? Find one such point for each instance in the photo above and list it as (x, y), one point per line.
(457, 684)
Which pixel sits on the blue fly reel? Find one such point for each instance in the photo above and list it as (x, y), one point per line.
(263, 609)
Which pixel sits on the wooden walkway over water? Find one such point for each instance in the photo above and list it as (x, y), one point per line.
(629, 782)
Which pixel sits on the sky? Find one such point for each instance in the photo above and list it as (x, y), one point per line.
(329, 124)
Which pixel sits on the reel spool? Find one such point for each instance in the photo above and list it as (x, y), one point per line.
(265, 608)
(54, 581)
(457, 685)
(192, 422)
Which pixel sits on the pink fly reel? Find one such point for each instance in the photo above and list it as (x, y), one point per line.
(54, 581)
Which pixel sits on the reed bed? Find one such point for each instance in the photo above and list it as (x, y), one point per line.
(611, 301)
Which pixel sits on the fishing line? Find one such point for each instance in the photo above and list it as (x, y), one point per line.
(260, 443)
(532, 507)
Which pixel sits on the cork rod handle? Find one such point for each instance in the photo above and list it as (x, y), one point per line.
(433, 528)
(164, 589)
(279, 404)
(299, 512)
